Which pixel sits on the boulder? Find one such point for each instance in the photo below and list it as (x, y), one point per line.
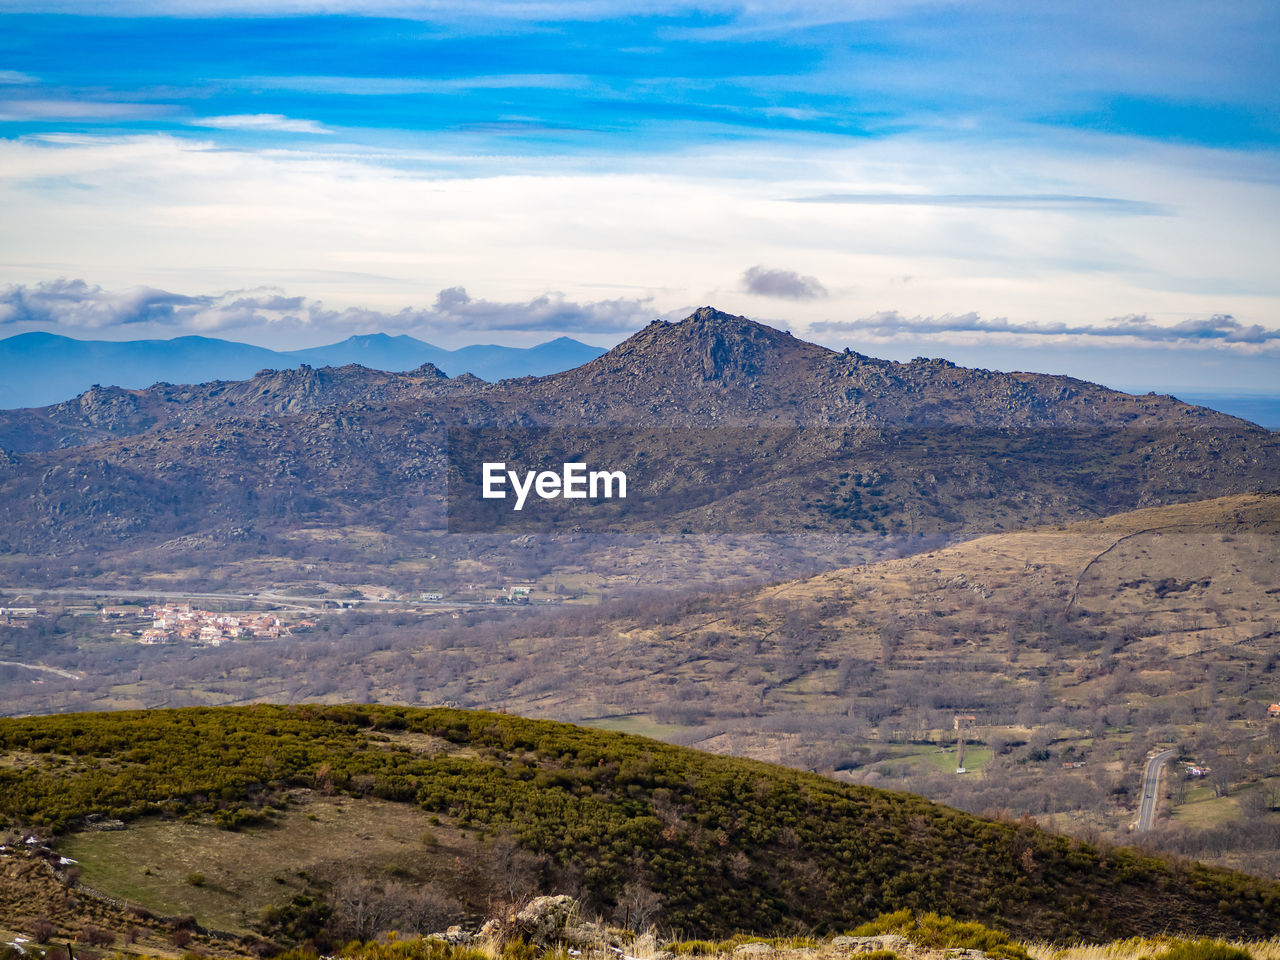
(543, 920)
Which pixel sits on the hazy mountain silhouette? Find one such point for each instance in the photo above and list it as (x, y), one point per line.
(46, 368)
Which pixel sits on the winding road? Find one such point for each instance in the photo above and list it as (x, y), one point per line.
(1150, 783)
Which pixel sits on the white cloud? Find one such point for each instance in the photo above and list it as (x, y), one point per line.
(17, 77)
(1218, 328)
(76, 305)
(357, 229)
(68, 109)
(262, 121)
(995, 201)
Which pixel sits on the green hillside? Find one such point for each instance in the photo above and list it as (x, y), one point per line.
(727, 844)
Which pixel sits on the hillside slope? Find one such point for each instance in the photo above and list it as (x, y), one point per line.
(727, 844)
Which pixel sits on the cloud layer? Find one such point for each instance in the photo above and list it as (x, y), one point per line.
(923, 157)
(996, 201)
(1220, 328)
(75, 305)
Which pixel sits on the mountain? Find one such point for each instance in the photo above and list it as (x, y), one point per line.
(501, 802)
(724, 425)
(377, 351)
(491, 362)
(486, 361)
(714, 367)
(101, 413)
(44, 368)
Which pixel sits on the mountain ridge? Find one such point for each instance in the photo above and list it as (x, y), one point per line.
(936, 448)
(46, 368)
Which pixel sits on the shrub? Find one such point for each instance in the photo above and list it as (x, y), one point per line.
(940, 933)
(96, 936)
(693, 948)
(42, 931)
(1205, 950)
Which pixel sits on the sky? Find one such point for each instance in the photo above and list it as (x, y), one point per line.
(1082, 188)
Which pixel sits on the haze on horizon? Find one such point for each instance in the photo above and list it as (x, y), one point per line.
(1008, 185)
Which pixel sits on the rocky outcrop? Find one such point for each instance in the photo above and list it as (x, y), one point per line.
(550, 921)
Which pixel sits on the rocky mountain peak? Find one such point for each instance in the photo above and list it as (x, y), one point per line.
(430, 371)
(708, 345)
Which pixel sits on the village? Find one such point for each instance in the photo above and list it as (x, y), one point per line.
(171, 623)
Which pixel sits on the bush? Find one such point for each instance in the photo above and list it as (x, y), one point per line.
(1205, 950)
(693, 948)
(96, 936)
(941, 933)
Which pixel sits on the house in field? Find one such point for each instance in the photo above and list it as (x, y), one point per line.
(1273, 710)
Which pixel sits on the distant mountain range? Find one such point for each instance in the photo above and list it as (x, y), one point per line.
(45, 368)
(722, 423)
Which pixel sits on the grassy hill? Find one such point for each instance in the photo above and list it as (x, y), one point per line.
(725, 844)
(1087, 644)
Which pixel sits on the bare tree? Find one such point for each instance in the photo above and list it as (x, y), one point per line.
(639, 905)
(1223, 774)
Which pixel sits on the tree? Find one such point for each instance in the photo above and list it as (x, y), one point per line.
(639, 905)
(1223, 774)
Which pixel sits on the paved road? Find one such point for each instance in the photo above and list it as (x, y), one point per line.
(267, 598)
(67, 674)
(1150, 784)
(271, 599)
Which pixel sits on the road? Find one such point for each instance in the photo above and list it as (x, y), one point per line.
(263, 598)
(1150, 784)
(269, 599)
(66, 674)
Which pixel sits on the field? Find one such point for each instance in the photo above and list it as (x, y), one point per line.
(225, 878)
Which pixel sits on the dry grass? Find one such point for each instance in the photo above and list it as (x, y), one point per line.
(150, 863)
(1138, 949)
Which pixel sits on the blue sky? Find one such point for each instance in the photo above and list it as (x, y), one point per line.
(937, 178)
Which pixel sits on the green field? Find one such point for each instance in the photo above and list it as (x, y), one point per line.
(153, 862)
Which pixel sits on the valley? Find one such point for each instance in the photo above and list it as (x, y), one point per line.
(840, 565)
(1075, 650)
